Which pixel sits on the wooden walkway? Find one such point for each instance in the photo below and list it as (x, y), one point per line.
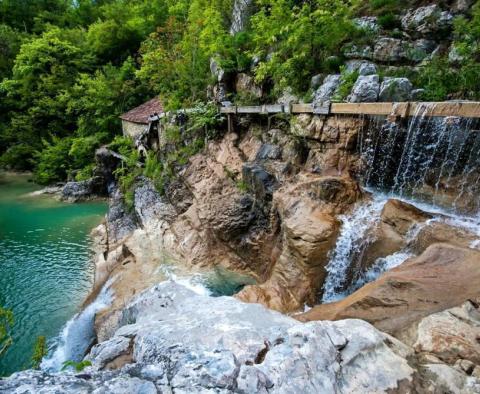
(466, 109)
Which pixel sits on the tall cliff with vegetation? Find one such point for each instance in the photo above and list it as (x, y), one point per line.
(69, 68)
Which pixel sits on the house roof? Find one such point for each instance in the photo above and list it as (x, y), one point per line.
(141, 113)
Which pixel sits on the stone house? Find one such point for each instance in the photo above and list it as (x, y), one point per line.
(135, 121)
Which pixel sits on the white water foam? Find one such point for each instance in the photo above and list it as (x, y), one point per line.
(78, 333)
(354, 229)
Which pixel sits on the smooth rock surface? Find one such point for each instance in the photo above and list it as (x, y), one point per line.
(184, 342)
(440, 278)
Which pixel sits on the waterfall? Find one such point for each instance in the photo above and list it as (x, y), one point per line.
(78, 334)
(352, 234)
(431, 163)
(429, 159)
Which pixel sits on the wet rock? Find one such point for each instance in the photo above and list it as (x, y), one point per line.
(398, 222)
(308, 232)
(261, 183)
(411, 291)
(427, 20)
(328, 88)
(395, 90)
(390, 49)
(245, 84)
(269, 152)
(365, 90)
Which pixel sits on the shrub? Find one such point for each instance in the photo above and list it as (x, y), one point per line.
(39, 351)
(6, 324)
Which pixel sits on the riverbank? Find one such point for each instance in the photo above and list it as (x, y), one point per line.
(45, 263)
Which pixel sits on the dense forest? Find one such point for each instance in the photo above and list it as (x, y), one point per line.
(69, 68)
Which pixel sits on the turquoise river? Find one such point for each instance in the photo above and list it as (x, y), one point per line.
(45, 266)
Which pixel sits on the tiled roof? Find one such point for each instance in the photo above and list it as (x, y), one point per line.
(142, 112)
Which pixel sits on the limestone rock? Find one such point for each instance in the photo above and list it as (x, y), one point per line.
(328, 88)
(245, 84)
(426, 20)
(451, 335)
(369, 23)
(120, 221)
(316, 81)
(83, 190)
(309, 230)
(421, 49)
(259, 181)
(362, 66)
(413, 290)
(184, 342)
(390, 49)
(365, 90)
(395, 90)
(352, 51)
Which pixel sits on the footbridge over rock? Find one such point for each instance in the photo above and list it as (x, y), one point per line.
(466, 109)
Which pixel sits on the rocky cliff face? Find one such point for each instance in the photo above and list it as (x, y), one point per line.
(263, 204)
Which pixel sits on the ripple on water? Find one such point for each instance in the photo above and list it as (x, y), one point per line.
(45, 267)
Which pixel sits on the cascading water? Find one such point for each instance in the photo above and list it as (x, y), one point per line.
(432, 163)
(353, 232)
(78, 334)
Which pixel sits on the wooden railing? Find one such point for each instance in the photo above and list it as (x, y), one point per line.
(466, 109)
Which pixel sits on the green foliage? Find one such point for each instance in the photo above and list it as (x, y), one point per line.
(53, 161)
(6, 325)
(39, 351)
(77, 366)
(444, 81)
(347, 81)
(293, 39)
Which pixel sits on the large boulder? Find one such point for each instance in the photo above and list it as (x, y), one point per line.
(365, 90)
(328, 88)
(388, 49)
(363, 67)
(173, 340)
(440, 278)
(395, 90)
(83, 190)
(427, 20)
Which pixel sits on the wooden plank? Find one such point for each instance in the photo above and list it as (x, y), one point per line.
(362, 108)
(467, 109)
(228, 110)
(302, 108)
(251, 109)
(273, 108)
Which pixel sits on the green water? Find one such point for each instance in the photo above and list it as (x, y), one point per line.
(45, 266)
